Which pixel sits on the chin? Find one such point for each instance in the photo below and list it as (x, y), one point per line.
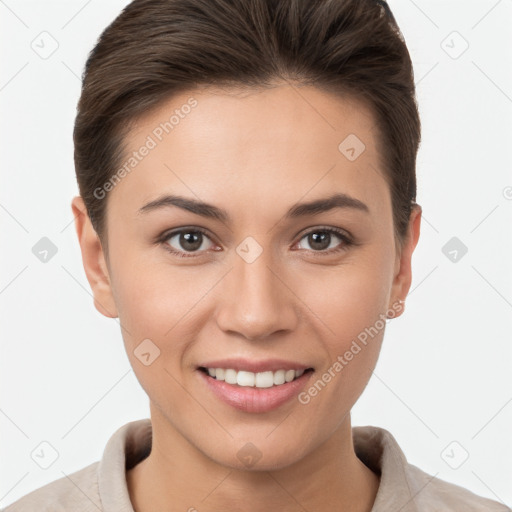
(256, 456)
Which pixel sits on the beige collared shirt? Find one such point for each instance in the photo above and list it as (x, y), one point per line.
(102, 485)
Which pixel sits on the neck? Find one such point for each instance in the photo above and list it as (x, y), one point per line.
(178, 477)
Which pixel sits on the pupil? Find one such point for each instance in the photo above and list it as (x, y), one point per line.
(323, 240)
(191, 240)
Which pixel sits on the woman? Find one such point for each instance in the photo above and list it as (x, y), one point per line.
(247, 209)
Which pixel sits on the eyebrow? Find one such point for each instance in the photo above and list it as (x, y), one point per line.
(211, 211)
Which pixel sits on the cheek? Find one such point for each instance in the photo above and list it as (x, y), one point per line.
(153, 305)
(162, 303)
(151, 295)
(354, 311)
(352, 305)
(352, 298)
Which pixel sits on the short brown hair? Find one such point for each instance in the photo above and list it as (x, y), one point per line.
(157, 48)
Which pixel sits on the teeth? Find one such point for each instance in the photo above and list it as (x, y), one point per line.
(250, 379)
(245, 379)
(279, 377)
(230, 376)
(264, 380)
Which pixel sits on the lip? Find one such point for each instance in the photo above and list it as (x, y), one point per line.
(249, 365)
(252, 399)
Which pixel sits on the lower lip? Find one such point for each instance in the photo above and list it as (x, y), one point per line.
(252, 399)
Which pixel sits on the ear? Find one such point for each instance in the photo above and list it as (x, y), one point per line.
(403, 268)
(93, 260)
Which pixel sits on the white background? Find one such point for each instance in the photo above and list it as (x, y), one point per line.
(444, 373)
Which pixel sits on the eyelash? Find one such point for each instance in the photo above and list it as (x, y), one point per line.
(164, 237)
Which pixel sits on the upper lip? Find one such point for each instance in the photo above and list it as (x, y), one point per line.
(250, 365)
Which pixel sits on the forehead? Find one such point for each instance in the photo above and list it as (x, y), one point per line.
(276, 143)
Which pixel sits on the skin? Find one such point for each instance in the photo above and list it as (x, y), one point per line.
(254, 153)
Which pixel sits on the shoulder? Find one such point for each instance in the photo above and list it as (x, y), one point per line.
(433, 494)
(77, 491)
(98, 486)
(406, 487)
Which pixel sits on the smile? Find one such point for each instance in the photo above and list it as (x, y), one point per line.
(265, 379)
(254, 385)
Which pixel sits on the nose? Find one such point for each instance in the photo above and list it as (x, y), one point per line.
(256, 300)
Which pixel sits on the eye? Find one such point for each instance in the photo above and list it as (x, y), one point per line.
(192, 242)
(185, 242)
(322, 240)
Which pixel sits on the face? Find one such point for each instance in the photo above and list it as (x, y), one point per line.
(275, 256)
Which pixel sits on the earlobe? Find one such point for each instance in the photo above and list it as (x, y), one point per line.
(93, 260)
(403, 277)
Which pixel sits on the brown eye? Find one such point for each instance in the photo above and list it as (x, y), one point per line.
(319, 240)
(324, 240)
(186, 241)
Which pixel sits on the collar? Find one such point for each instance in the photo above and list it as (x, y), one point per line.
(374, 446)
